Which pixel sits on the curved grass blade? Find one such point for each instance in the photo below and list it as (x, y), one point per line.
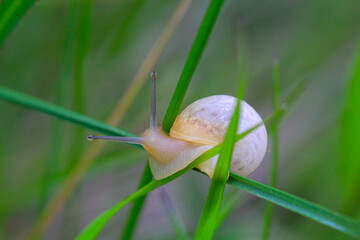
(275, 150)
(196, 51)
(59, 112)
(209, 216)
(94, 228)
(130, 226)
(298, 205)
(11, 12)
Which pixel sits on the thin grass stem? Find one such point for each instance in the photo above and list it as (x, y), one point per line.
(192, 61)
(135, 211)
(269, 207)
(173, 215)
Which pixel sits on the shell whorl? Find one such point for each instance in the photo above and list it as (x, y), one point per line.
(206, 120)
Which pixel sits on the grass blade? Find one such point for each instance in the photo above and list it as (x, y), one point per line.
(209, 216)
(149, 63)
(11, 13)
(131, 223)
(59, 112)
(275, 150)
(350, 140)
(298, 205)
(196, 51)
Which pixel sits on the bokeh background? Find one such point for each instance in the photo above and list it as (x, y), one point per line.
(313, 39)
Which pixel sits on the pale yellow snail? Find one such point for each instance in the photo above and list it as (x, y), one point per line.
(201, 126)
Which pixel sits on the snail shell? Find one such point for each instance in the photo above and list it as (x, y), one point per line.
(202, 125)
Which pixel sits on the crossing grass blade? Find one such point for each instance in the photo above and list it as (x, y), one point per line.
(208, 220)
(298, 205)
(194, 56)
(275, 150)
(209, 216)
(59, 112)
(94, 228)
(11, 12)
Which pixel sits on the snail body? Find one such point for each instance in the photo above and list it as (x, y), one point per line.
(201, 126)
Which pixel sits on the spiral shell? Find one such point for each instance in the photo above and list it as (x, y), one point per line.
(205, 122)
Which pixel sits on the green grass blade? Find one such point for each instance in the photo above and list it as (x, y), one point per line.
(131, 223)
(173, 215)
(196, 51)
(11, 12)
(94, 228)
(208, 220)
(350, 140)
(275, 151)
(59, 112)
(298, 205)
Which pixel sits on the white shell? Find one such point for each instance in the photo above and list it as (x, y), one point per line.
(205, 122)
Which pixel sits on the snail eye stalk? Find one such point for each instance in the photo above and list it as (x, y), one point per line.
(134, 140)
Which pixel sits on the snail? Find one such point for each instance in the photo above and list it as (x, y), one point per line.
(199, 127)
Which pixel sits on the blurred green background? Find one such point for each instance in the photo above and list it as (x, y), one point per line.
(314, 39)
